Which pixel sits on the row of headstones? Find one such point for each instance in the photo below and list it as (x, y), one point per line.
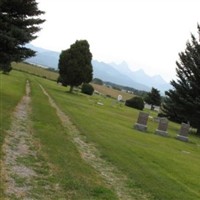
(141, 125)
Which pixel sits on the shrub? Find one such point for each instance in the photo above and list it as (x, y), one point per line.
(87, 89)
(135, 102)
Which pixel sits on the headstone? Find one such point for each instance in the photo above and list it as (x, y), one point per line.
(141, 124)
(162, 127)
(183, 132)
(119, 98)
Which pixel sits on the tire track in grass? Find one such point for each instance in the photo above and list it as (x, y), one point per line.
(22, 169)
(15, 146)
(91, 155)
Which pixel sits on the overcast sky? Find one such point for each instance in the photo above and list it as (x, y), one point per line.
(147, 34)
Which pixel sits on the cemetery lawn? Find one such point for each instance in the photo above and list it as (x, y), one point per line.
(159, 167)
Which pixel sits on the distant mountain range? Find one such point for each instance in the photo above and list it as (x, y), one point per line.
(119, 74)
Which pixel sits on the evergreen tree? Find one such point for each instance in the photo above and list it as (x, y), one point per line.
(153, 98)
(75, 65)
(18, 23)
(183, 101)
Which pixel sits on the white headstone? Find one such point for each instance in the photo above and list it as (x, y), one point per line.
(119, 98)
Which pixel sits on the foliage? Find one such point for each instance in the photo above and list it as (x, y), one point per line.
(87, 89)
(75, 65)
(153, 98)
(183, 101)
(18, 24)
(97, 81)
(135, 102)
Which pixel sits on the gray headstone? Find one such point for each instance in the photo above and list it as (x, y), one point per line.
(143, 118)
(141, 124)
(163, 124)
(162, 127)
(183, 132)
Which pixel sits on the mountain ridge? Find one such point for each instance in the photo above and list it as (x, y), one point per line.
(116, 73)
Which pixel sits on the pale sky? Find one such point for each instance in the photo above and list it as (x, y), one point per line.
(147, 34)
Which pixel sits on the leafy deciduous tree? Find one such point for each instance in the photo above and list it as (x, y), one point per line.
(18, 24)
(183, 101)
(75, 65)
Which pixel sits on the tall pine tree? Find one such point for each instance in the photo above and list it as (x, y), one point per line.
(18, 24)
(183, 101)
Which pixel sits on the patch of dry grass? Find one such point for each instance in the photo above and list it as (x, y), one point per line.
(111, 92)
(36, 70)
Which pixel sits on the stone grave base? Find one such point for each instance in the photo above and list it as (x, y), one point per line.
(140, 127)
(163, 133)
(182, 138)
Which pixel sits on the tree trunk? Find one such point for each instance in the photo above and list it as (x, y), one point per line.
(198, 131)
(152, 107)
(71, 88)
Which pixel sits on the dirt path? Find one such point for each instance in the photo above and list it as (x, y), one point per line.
(16, 146)
(21, 168)
(91, 155)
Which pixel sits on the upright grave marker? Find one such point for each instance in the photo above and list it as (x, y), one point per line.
(141, 123)
(162, 127)
(183, 132)
(119, 98)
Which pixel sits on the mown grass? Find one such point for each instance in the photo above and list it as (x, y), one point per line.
(12, 88)
(60, 163)
(164, 167)
(76, 178)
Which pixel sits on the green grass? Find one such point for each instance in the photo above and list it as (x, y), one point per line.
(78, 180)
(165, 168)
(12, 88)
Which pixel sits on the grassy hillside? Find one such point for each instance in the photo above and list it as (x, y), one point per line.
(162, 168)
(111, 92)
(41, 72)
(35, 70)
